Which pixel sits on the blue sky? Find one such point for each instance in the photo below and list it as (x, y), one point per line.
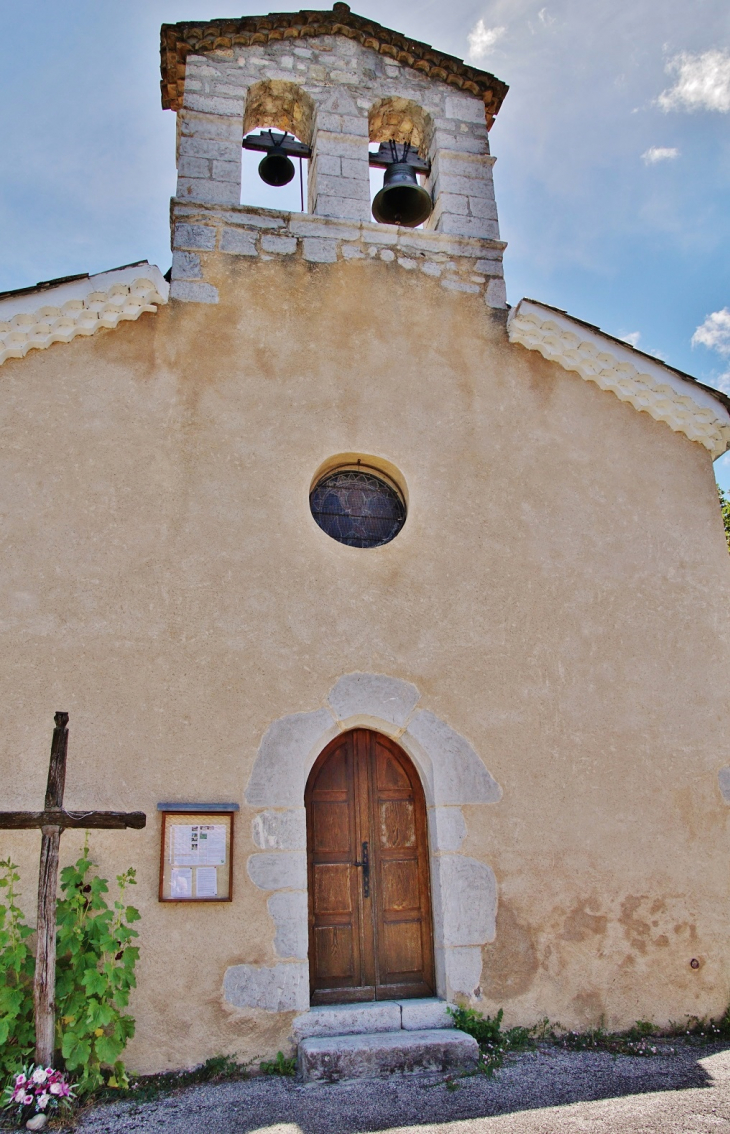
(613, 150)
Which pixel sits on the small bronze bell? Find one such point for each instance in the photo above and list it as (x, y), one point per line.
(401, 200)
(276, 168)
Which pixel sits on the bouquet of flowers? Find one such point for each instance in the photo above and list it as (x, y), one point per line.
(36, 1091)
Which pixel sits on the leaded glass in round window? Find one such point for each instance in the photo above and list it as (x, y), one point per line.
(357, 508)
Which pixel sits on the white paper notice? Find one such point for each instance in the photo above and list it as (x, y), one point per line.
(206, 882)
(181, 883)
(213, 844)
(200, 844)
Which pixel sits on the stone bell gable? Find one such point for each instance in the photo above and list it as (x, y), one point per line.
(177, 41)
(338, 82)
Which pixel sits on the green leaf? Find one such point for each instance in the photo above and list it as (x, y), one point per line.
(94, 982)
(108, 1049)
(76, 1052)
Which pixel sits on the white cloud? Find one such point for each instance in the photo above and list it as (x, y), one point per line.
(703, 82)
(545, 18)
(632, 339)
(482, 39)
(659, 153)
(714, 333)
(719, 382)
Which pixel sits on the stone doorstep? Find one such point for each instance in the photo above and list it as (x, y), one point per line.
(372, 1016)
(332, 1058)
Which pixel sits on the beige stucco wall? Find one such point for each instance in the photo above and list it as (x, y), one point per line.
(558, 595)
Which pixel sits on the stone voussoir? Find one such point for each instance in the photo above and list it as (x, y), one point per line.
(373, 1056)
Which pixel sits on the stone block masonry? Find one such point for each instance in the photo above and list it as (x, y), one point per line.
(336, 96)
(202, 232)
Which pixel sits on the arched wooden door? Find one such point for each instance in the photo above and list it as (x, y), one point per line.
(370, 928)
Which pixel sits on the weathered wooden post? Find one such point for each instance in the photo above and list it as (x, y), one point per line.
(52, 821)
(44, 986)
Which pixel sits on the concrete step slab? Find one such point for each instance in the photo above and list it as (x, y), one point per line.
(373, 1016)
(425, 1013)
(333, 1058)
(348, 1019)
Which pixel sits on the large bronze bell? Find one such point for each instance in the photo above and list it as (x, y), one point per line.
(276, 168)
(402, 200)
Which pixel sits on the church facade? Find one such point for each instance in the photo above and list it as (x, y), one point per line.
(412, 604)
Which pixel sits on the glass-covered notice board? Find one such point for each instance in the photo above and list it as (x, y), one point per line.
(196, 859)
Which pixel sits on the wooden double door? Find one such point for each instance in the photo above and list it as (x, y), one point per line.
(370, 926)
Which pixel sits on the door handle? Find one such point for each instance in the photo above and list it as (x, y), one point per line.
(365, 864)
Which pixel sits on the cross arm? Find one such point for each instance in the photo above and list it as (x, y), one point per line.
(55, 817)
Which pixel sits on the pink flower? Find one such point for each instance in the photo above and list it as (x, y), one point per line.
(27, 1100)
(19, 1094)
(39, 1075)
(19, 1079)
(56, 1088)
(43, 1100)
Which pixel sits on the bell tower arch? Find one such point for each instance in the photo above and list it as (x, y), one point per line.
(338, 81)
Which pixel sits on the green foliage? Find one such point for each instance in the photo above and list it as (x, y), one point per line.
(725, 509)
(484, 1029)
(147, 1088)
(279, 1066)
(218, 1067)
(95, 961)
(520, 1039)
(494, 1044)
(94, 975)
(641, 1039)
(700, 1028)
(487, 1031)
(641, 1029)
(17, 965)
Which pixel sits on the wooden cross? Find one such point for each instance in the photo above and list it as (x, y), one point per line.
(52, 821)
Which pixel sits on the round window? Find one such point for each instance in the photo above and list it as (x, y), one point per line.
(358, 508)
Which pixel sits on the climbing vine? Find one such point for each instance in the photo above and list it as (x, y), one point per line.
(95, 962)
(17, 965)
(95, 975)
(725, 508)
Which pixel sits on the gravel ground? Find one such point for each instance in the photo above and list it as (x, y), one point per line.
(545, 1092)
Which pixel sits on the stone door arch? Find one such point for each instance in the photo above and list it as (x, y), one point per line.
(464, 890)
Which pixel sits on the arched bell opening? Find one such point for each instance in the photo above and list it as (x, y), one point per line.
(400, 134)
(278, 126)
(401, 120)
(370, 918)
